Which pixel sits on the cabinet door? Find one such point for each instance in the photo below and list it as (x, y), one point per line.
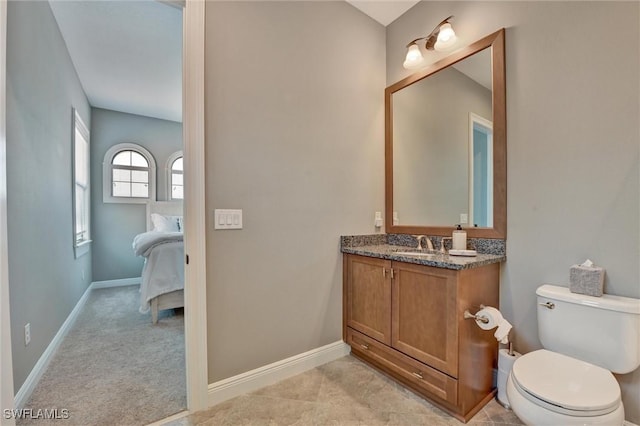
(369, 297)
(424, 324)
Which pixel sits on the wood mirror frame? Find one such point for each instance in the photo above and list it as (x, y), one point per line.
(499, 229)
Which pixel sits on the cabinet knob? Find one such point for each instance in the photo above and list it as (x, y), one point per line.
(418, 375)
(364, 346)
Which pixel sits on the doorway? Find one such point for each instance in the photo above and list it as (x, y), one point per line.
(480, 171)
(195, 271)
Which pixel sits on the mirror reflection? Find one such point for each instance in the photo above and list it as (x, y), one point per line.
(443, 147)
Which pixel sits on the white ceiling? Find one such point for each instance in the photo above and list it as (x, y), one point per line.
(383, 11)
(128, 54)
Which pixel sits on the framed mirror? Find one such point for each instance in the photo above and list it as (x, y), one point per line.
(445, 145)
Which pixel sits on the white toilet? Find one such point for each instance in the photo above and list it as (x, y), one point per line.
(571, 381)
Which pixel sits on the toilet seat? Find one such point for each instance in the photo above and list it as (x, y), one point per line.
(565, 385)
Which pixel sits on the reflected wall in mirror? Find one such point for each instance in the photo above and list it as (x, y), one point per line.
(446, 145)
(431, 143)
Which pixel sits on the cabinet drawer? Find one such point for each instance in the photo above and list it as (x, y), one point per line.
(432, 381)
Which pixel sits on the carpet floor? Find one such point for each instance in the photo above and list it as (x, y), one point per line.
(115, 367)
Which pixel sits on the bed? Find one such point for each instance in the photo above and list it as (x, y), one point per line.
(162, 246)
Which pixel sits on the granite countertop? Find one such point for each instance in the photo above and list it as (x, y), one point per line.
(375, 246)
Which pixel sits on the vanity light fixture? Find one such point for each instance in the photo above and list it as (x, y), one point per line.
(441, 38)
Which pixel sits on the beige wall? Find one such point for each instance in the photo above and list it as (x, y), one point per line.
(294, 137)
(572, 143)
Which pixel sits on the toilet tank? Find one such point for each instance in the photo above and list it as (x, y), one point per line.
(604, 331)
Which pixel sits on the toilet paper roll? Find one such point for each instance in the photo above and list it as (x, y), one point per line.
(495, 319)
(490, 313)
(505, 364)
(505, 361)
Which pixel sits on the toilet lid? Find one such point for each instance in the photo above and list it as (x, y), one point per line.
(566, 382)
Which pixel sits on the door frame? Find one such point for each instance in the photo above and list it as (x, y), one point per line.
(195, 313)
(487, 124)
(6, 364)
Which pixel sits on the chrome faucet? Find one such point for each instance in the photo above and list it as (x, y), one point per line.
(427, 239)
(442, 249)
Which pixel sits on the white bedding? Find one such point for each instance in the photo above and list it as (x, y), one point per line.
(145, 242)
(163, 269)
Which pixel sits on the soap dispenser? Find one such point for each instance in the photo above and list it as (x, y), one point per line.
(459, 239)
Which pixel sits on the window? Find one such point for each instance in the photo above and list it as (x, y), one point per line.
(128, 174)
(175, 176)
(81, 193)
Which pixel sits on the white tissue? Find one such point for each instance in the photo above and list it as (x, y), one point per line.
(495, 320)
(587, 263)
(502, 333)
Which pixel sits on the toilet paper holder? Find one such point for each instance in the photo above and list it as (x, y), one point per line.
(481, 318)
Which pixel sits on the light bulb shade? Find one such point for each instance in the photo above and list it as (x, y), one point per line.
(446, 37)
(414, 57)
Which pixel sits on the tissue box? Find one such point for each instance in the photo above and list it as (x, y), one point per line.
(586, 280)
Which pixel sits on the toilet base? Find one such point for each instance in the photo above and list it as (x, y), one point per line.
(535, 415)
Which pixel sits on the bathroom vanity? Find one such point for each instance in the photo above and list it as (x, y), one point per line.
(445, 163)
(404, 315)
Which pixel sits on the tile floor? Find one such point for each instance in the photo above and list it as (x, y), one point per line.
(342, 392)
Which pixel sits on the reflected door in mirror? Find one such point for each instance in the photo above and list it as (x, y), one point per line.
(480, 171)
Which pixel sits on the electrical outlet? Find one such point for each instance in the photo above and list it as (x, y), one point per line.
(27, 334)
(378, 219)
(464, 218)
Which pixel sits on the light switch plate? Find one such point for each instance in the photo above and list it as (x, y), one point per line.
(227, 218)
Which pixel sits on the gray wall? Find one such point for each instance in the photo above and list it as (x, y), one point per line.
(431, 147)
(45, 280)
(115, 224)
(294, 137)
(572, 143)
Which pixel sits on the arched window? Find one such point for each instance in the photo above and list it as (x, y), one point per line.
(175, 169)
(128, 174)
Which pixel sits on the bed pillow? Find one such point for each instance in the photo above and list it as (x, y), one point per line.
(163, 223)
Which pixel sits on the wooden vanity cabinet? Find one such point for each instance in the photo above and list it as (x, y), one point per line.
(369, 295)
(423, 315)
(407, 320)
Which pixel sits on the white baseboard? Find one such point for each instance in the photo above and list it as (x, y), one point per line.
(170, 419)
(269, 374)
(27, 388)
(627, 423)
(116, 283)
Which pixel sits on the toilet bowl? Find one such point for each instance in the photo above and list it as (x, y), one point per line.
(548, 388)
(586, 339)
